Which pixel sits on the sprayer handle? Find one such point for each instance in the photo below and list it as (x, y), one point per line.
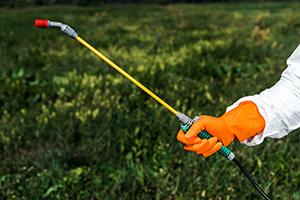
(224, 151)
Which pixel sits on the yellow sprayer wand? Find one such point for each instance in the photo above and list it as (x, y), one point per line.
(128, 76)
(185, 120)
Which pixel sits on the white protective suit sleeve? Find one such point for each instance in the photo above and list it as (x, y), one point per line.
(280, 104)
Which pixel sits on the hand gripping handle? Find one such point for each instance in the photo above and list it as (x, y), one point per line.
(188, 122)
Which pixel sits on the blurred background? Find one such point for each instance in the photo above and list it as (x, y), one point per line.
(73, 128)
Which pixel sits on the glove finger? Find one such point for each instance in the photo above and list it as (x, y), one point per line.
(197, 147)
(215, 148)
(196, 128)
(181, 138)
(210, 144)
(197, 140)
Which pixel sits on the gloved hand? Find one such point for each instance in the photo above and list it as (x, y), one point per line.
(239, 123)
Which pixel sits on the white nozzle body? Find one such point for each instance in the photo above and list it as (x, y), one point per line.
(66, 29)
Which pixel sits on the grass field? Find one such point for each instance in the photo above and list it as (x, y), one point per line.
(72, 128)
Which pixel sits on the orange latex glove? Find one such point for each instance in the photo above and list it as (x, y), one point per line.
(200, 146)
(240, 123)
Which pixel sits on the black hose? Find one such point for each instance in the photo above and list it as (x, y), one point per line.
(246, 173)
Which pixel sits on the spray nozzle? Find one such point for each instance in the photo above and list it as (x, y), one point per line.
(66, 29)
(41, 23)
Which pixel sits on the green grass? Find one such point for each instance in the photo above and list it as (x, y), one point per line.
(72, 128)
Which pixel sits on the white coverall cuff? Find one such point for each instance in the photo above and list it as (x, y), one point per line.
(278, 105)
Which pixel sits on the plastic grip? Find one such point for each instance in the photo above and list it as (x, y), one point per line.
(41, 23)
(224, 151)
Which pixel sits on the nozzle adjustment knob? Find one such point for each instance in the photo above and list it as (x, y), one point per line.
(41, 23)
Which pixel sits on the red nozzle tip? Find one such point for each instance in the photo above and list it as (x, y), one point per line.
(41, 23)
